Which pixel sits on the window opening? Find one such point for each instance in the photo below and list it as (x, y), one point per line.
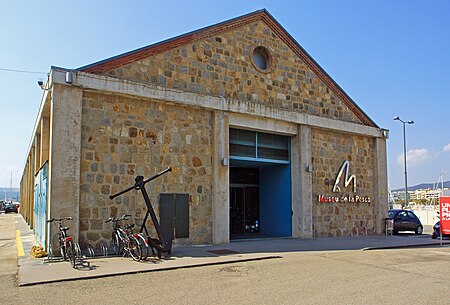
(248, 145)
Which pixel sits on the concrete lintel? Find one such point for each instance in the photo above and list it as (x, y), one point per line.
(126, 87)
(264, 124)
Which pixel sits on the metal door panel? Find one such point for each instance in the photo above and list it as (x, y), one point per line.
(181, 215)
(167, 215)
(40, 206)
(174, 215)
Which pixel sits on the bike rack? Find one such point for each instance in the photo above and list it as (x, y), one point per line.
(103, 248)
(114, 248)
(51, 258)
(90, 251)
(160, 244)
(50, 251)
(78, 249)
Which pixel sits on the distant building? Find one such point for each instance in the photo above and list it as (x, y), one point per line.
(420, 194)
(10, 194)
(398, 196)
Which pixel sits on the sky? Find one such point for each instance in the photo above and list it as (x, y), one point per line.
(391, 57)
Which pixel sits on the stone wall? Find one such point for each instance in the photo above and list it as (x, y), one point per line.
(329, 150)
(221, 66)
(123, 137)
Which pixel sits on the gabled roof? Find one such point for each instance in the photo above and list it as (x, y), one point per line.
(216, 29)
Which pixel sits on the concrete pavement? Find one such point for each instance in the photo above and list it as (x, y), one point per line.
(8, 247)
(34, 271)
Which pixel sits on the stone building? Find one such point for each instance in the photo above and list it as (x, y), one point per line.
(260, 139)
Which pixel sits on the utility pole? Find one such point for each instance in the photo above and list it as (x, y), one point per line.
(404, 157)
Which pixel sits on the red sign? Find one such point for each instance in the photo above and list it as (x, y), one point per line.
(444, 212)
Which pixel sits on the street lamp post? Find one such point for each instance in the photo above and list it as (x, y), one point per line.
(404, 156)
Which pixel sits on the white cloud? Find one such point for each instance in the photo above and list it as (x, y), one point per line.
(446, 148)
(415, 156)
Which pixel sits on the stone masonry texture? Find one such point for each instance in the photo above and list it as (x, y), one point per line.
(124, 137)
(329, 150)
(221, 66)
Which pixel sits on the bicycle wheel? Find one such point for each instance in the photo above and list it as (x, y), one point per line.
(117, 243)
(134, 249)
(143, 245)
(71, 254)
(62, 248)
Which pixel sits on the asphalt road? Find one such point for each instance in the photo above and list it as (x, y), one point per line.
(406, 276)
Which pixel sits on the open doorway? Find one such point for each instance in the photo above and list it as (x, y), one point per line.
(244, 203)
(260, 203)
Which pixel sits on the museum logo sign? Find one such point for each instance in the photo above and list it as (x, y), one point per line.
(347, 181)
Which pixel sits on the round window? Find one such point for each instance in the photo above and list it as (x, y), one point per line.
(261, 59)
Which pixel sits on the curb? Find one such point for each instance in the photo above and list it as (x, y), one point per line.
(406, 246)
(146, 271)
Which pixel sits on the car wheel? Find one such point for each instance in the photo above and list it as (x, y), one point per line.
(419, 230)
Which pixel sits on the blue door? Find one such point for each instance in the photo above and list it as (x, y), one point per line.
(43, 212)
(37, 199)
(40, 205)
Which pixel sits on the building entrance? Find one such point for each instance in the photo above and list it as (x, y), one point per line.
(260, 185)
(244, 202)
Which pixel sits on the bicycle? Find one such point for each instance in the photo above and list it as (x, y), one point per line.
(161, 244)
(141, 240)
(143, 244)
(66, 243)
(124, 241)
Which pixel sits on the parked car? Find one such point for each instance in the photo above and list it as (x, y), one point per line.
(11, 208)
(437, 231)
(405, 221)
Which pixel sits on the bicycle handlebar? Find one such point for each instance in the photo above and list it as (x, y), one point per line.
(123, 217)
(140, 182)
(59, 219)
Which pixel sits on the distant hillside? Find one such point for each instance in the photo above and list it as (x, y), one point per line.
(423, 186)
(6, 192)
